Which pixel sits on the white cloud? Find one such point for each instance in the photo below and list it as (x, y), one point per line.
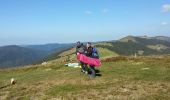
(166, 8)
(164, 23)
(104, 11)
(88, 12)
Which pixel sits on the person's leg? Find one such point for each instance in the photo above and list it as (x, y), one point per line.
(82, 66)
(85, 68)
(92, 72)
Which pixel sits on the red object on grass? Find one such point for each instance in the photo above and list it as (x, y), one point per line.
(90, 61)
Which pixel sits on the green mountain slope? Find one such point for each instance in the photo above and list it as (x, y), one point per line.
(131, 45)
(11, 56)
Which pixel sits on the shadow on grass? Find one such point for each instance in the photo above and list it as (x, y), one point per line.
(97, 71)
(5, 86)
(99, 75)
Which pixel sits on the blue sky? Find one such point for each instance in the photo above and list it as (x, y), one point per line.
(64, 21)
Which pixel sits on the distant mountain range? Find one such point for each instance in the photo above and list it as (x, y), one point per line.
(50, 48)
(141, 45)
(13, 55)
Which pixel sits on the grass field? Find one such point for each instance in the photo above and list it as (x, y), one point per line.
(122, 78)
(105, 53)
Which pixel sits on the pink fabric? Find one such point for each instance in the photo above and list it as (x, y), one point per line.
(88, 60)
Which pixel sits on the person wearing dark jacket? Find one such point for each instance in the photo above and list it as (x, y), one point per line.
(80, 48)
(89, 53)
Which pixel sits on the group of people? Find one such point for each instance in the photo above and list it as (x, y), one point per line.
(89, 51)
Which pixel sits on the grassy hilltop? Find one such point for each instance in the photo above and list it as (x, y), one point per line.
(123, 77)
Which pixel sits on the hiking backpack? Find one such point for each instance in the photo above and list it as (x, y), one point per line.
(95, 53)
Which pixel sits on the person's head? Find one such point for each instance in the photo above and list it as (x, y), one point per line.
(78, 44)
(88, 44)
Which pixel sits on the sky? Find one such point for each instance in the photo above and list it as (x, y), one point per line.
(67, 21)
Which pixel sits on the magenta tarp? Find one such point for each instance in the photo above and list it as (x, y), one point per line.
(88, 60)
